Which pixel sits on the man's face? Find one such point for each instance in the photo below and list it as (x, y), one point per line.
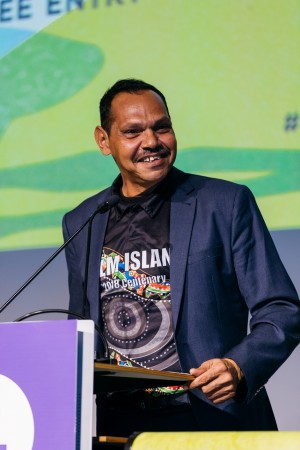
(141, 140)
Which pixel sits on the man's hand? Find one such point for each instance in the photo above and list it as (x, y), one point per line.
(217, 378)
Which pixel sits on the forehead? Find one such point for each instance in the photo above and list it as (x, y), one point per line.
(141, 104)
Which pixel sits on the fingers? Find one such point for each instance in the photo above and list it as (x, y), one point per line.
(215, 379)
(208, 372)
(221, 397)
(219, 390)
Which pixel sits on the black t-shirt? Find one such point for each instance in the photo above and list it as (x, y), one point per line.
(135, 281)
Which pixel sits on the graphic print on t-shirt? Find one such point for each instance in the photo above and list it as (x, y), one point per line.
(136, 308)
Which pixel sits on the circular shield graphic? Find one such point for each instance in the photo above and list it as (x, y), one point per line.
(128, 327)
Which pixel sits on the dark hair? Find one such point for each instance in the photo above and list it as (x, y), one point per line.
(129, 85)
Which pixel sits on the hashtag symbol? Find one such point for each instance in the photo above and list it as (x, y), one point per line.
(291, 122)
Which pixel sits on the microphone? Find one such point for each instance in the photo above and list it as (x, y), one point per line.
(106, 206)
(103, 208)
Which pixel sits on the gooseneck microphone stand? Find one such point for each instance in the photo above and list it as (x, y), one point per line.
(104, 207)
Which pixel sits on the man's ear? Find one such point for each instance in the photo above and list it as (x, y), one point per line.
(102, 140)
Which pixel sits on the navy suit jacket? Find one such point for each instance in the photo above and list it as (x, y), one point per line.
(223, 264)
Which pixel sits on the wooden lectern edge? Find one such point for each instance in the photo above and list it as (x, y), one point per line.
(121, 440)
(110, 368)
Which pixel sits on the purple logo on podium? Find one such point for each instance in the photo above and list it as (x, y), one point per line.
(38, 379)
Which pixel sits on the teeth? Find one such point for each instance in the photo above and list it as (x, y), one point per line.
(151, 158)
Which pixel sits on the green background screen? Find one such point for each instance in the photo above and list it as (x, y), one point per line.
(230, 72)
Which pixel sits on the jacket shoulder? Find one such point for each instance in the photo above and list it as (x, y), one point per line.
(207, 185)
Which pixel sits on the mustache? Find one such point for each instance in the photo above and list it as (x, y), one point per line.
(157, 151)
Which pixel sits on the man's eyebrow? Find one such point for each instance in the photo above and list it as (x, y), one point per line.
(163, 119)
(131, 125)
(137, 124)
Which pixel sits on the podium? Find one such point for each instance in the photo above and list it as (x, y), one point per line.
(46, 385)
(47, 379)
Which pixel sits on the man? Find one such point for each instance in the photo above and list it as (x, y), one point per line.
(182, 260)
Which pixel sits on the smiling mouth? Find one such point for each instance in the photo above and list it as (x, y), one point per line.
(150, 158)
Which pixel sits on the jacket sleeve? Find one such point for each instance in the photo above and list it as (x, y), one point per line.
(269, 293)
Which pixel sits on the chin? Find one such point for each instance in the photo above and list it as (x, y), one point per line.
(158, 176)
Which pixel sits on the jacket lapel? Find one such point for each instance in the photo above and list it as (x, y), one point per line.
(97, 239)
(183, 205)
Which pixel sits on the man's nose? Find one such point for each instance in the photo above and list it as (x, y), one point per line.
(150, 139)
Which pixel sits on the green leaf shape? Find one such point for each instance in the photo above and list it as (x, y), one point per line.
(10, 225)
(40, 73)
(283, 166)
(86, 171)
(89, 170)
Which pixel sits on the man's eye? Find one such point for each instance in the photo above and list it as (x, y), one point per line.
(163, 128)
(132, 131)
